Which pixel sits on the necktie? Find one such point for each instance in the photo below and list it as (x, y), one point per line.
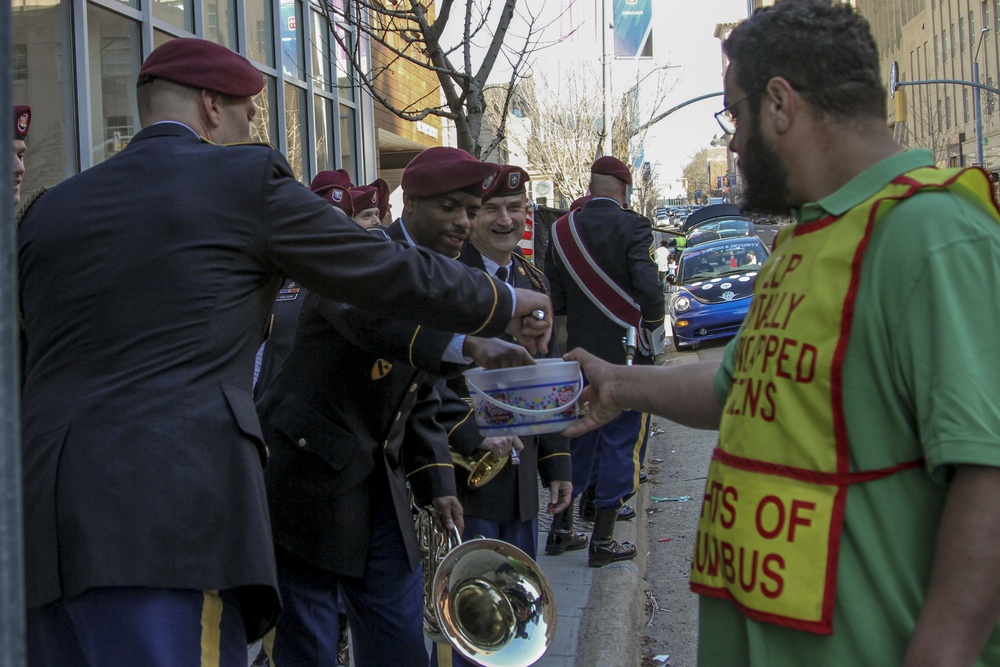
(502, 273)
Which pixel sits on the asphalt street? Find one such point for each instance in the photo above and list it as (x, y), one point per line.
(676, 464)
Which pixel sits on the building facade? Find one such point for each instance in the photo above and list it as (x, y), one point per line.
(942, 40)
(76, 61)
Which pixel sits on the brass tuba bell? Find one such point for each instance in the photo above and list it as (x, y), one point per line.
(481, 470)
(486, 598)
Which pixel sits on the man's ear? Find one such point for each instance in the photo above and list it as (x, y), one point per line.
(782, 101)
(210, 107)
(409, 201)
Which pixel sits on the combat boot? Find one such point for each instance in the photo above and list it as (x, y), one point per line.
(604, 549)
(562, 537)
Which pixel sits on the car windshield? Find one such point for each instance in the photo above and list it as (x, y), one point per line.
(719, 228)
(721, 259)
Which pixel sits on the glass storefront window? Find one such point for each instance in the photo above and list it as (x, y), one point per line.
(43, 79)
(220, 22)
(160, 38)
(321, 52)
(344, 79)
(265, 123)
(293, 60)
(323, 110)
(175, 12)
(295, 129)
(348, 141)
(113, 58)
(260, 32)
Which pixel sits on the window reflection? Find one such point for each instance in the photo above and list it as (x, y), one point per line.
(260, 34)
(264, 124)
(113, 64)
(43, 79)
(292, 48)
(348, 141)
(175, 12)
(220, 22)
(321, 52)
(295, 127)
(323, 108)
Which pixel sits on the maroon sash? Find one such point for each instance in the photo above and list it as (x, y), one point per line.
(602, 291)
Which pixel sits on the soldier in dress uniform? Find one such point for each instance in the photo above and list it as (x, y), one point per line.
(145, 284)
(604, 239)
(349, 429)
(506, 507)
(365, 200)
(22, 120)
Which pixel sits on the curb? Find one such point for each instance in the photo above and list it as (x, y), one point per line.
(612, 623)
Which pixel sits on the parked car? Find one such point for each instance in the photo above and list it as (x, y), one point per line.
(721, 221)
(712, 287)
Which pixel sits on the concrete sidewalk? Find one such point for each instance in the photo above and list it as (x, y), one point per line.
(600, 610)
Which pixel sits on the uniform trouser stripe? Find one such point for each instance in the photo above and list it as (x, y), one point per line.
(211, 629)
(638, 450)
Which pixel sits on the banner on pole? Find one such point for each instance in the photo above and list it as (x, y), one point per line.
(633, 28)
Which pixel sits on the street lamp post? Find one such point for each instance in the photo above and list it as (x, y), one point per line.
(977, 99)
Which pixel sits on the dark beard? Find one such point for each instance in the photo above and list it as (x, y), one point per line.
(765, 179)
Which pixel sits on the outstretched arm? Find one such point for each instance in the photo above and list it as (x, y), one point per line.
(683, 394)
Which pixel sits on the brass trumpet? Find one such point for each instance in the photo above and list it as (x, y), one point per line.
(481, 470)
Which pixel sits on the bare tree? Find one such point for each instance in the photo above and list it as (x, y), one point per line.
(409, 31)
(924, 127)
(567, 122)
(696, 174)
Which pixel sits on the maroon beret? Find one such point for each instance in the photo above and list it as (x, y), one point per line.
(383, 196)
(580, 203)
(334, 187)
(442, 169)
(22, 119)
(365, 197)
(612, 166)
(329, 179)
(199, 63)
(511, 180)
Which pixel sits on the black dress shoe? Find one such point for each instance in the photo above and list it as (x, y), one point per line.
(626, 513)
(609, 551)
(604, 549)
(560, 541)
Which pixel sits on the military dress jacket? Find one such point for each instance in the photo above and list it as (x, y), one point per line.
(621, 243)
(345, 426)
(513, 494)
(145, 284)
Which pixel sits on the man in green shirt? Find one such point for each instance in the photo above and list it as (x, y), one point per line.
(913, 380)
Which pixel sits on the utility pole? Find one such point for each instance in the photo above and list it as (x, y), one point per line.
(977, 98)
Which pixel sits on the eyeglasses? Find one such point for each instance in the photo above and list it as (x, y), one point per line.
(726, 119)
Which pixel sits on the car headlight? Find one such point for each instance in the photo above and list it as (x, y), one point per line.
(682, 303)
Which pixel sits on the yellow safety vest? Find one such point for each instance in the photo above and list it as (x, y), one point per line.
(770, 527)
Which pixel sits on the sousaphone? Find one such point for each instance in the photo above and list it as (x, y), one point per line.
(486, 598)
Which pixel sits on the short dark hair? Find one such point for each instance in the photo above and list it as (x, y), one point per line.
(823, 48)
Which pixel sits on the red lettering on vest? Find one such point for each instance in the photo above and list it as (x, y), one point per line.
(779, 523)
(779, 582)
(795, 518)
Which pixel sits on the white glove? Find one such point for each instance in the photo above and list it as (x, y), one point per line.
(651, 343)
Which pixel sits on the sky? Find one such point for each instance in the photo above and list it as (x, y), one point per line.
(683, 35)
(683, 39)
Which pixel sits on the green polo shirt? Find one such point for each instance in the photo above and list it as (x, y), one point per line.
(920, 381)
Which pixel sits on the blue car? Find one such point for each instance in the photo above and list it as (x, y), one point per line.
(711, 289)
